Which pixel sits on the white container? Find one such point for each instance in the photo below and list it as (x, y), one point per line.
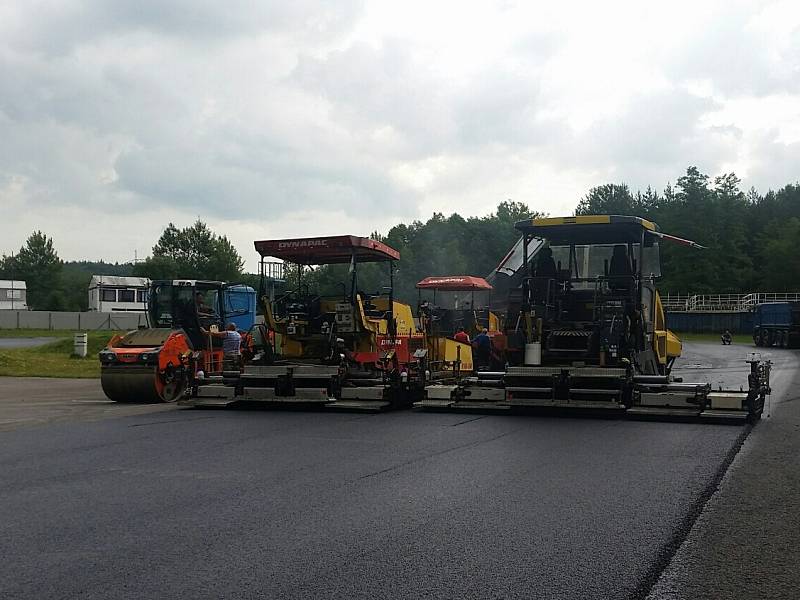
(80, 344)
(533, 354)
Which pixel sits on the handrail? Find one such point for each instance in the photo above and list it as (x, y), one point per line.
(724, 302)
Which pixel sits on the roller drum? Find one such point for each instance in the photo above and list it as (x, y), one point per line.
(131, 384)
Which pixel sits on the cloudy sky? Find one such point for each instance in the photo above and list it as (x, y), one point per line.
(277, 119)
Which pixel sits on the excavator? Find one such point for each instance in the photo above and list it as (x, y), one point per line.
(173, 356)
(585, 329)
(353, 350)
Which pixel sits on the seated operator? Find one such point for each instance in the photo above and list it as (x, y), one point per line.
(545, 270)
(620, 268)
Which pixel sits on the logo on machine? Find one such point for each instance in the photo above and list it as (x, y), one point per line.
(389, 342)
(302, 244)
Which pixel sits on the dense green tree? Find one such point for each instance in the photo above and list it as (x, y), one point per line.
(608, 199)
(193, 252)
(38, 265)
(780, 265)
(442, 245)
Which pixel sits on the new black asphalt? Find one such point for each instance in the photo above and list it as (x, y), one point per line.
(250, 504)
(746, 543)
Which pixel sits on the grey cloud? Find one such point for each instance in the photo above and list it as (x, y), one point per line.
(735, 59)
(504, 106)
(57, 27)
(369, 88)
(261, 180)
(775, 163)
(394, 85)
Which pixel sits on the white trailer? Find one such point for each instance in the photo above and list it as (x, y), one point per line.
(112, 293)
(13, 295)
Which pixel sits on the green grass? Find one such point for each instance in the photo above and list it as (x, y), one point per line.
(54, 359)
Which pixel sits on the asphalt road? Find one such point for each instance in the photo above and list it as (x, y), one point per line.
(232, 504)
(37, 401)
(746, 543)
(7, 343)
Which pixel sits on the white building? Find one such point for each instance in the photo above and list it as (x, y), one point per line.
(13, 295)
(108, 293)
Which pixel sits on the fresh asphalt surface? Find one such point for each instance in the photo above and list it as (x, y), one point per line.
(233, 503)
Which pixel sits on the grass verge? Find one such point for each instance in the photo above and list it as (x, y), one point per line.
(54, 359)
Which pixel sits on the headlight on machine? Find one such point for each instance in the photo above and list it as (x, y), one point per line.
(144, 357)
(107, 356)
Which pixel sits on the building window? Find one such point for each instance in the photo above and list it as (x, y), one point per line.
(141, 296)
(14, 294)
(108, 295)
(127, 295)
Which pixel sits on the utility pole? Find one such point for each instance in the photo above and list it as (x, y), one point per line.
(13, 274)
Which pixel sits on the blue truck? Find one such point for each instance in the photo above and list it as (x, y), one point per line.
(777, 324)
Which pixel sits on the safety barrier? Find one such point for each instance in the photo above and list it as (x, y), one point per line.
(87, 321)
(724, 302)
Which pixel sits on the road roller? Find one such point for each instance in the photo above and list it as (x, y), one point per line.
(161, 362)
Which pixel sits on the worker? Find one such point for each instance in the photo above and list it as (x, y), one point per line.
(545, 271)
(231, 346)
(727, 338)
(483, 349)
(620, 269)
(461, 336)
(200, 304)
(545, 265)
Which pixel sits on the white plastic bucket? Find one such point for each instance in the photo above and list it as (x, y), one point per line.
(80, 344)
(533, 353)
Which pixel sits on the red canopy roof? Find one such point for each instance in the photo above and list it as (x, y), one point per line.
(327, 250)
(454, 283)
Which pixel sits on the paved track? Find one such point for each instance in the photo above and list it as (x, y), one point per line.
(7, 343)
(746, 544)
(210, 504)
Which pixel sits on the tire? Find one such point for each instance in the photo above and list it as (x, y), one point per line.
(785, 338)
(766, 338)
(757, 337)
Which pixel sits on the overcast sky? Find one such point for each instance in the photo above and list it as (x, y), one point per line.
(305, 117)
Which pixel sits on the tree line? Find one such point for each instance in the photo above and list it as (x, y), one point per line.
(750, 238)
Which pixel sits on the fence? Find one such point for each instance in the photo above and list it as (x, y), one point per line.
(722, 302)
(39, 319)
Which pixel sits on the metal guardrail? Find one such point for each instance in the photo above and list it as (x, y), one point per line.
(724, 302)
